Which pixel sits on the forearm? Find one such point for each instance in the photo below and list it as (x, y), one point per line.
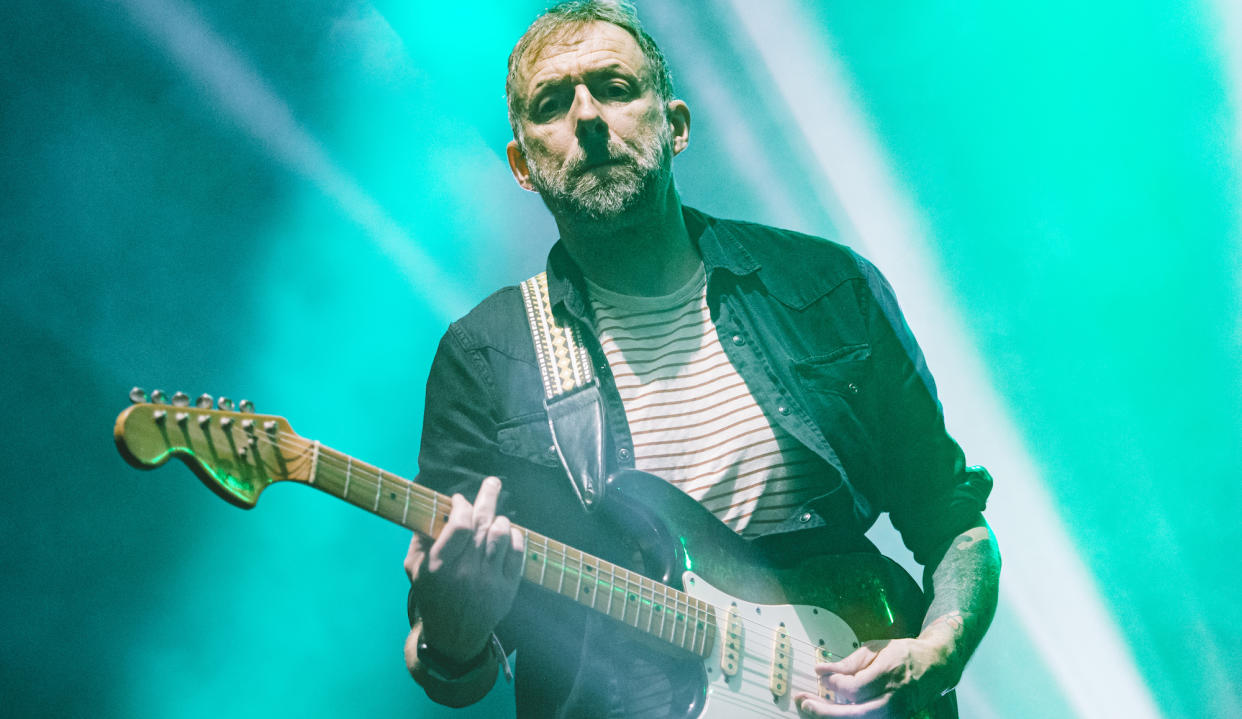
(964, 588)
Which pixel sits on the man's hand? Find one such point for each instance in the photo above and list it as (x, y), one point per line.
(465, 583)
(888, 679)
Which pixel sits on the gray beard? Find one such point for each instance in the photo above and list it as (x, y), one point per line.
(606, 197)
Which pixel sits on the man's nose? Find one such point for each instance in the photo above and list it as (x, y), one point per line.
(589, 123)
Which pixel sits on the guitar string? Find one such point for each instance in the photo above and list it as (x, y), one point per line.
(360, 474)
(297, 444)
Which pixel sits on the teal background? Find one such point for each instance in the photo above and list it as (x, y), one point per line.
(288, 201)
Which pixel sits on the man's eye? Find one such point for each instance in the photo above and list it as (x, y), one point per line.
(547, 107)
(617, 90)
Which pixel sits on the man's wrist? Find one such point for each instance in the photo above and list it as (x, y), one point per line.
(446, 667)
(944, 636)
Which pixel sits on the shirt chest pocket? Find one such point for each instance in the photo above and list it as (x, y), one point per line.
(528, 438)
(845, 371)
(838, 389)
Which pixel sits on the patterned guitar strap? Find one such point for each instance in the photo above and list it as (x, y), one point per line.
(570, 393)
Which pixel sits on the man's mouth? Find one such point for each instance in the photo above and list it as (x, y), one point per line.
(607, 162)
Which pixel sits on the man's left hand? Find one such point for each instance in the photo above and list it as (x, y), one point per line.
(889, 679)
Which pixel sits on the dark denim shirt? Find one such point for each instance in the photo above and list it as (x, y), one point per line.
(815, 332)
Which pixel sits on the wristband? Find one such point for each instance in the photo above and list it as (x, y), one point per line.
(445, 667)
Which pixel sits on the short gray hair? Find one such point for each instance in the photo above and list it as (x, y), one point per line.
(580, 12)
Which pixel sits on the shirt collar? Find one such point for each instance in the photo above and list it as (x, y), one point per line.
(720, 250)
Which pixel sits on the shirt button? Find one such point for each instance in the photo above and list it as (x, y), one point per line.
(804, 517)
(739, 340)
(623, 454)
(852, 387)
(782, 410)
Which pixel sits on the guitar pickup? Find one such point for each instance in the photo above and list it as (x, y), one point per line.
(781, 659)
(731, 656)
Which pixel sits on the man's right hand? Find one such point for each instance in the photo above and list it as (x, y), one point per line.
(465, 583)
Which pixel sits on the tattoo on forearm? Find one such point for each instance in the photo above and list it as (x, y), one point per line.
(964, 588)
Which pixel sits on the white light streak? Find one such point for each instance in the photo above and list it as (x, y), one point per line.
(1046, 582)
(233, 86)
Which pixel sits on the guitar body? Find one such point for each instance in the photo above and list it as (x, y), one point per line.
(773, 623)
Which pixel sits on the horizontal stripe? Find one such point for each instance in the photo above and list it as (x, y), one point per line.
(643, 395)
(765, 468)
(769, 481)
(720, 362)
(620, 326)
(680, 439)
(630, 350)
(676, 403)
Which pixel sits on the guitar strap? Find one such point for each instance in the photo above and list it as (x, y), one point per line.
(570, 392)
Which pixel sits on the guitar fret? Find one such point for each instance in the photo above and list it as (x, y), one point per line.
(560, 584)
(349, 465)
(405, 514)
(612, 586)
(578, 590)
(594, 592)
(651, 612)
(663, 608)
(314, 462)
(692, 619)
(379, 489)
(679, 621)
(625, 603)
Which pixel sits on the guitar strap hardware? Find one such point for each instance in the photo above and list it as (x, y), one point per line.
(570, 392)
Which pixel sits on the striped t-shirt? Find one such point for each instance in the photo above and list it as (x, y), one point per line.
(693, 420)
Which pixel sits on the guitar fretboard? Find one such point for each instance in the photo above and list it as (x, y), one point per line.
(640, 602)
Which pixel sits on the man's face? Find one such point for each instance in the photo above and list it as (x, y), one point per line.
(596, 138)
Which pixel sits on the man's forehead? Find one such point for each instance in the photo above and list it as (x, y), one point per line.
(580, 48)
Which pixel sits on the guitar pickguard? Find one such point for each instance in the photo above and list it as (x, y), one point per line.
(765, 653)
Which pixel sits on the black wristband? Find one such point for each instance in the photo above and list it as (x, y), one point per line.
(447, 667)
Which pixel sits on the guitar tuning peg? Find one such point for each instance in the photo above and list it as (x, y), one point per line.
(246, 406)
(224, 403)
(137, 395)
(157, 397)
(181, 399)
(203, 401)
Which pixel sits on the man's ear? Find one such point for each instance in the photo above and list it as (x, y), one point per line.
(679, 117)
(518, 166)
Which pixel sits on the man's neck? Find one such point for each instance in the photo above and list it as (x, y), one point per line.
(647, 254)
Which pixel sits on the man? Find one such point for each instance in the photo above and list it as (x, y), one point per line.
(831, 416)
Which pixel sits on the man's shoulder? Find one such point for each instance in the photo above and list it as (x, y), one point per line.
(498, 322)
(814, 264)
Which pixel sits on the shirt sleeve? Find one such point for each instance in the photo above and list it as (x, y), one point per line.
(926, 487)
(458, 447)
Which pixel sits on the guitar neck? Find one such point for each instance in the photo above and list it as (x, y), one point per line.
(638, 601)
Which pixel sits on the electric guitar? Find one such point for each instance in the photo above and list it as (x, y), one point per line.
(746, 634)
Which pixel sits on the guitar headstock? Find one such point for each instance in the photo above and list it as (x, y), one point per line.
(234, 451)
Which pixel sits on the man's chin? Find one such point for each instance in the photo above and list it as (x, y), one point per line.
(601, 207)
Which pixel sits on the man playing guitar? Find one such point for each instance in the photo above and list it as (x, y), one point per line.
(766, 374)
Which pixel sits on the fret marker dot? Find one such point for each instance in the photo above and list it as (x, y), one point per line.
(392, 495)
